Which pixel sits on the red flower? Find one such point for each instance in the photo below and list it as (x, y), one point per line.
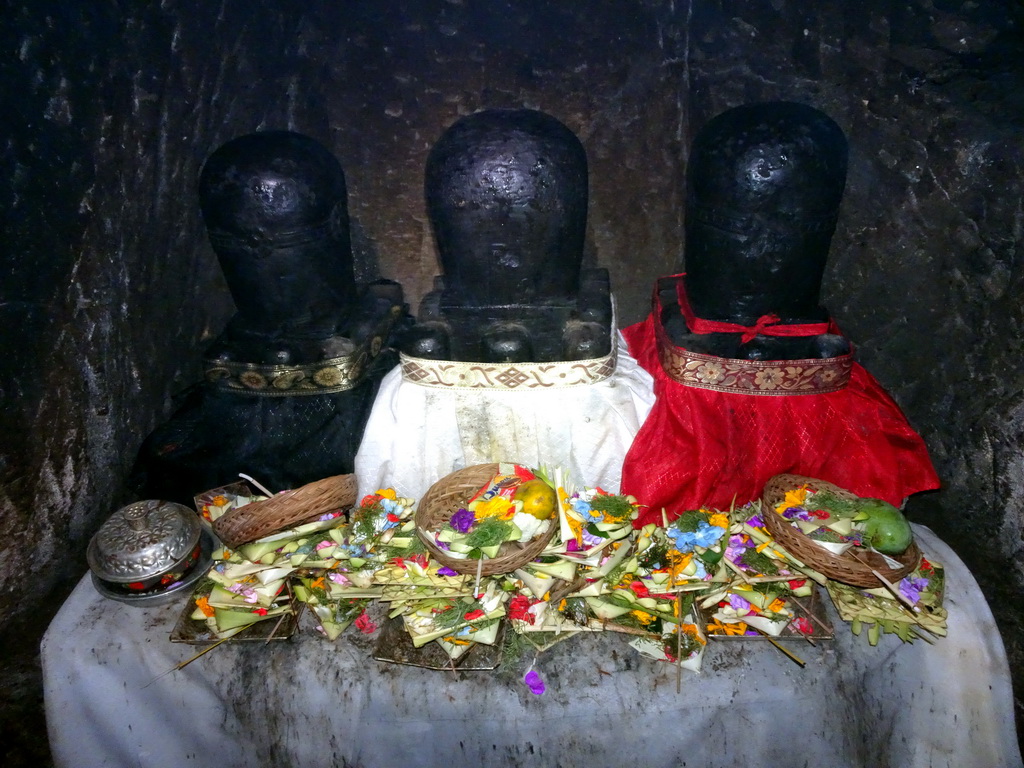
(925, 565)
(399, 562)
(365, 625)
(519, 609)
(796, 583)
(820, 514)
(420, 560)
(472, 615)
(261, 611)
(392, 517)
(370, 499)
(639, 589)
(136, 585)
(803, 626)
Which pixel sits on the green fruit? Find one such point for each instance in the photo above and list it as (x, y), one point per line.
(885, 527)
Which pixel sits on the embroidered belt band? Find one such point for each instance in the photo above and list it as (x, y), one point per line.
(750, 377)
(323, 377)
(451, 374)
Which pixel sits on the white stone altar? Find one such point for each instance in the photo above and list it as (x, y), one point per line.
(308, 702)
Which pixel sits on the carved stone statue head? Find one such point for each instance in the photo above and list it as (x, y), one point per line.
(507, 195)
(506, 191)
(275, 207)
(764, 184)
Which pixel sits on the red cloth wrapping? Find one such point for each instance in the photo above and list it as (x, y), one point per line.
(701, 447)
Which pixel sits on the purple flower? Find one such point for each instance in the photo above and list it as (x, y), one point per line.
(462, 520)
(534, 683)
(737, 603)
(444, 570)
(590, 539)
(756, 521)
(796, 513)
(911, 588)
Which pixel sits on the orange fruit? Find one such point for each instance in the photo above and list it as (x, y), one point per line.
(539, 498)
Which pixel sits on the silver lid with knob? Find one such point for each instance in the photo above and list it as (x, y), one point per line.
(143, 540)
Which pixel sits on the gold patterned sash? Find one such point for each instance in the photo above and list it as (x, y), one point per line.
(452, 374)
(323, 377)
(755, 377)
(748, 377)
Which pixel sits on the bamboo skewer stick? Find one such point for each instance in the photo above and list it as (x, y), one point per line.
(792, 656)
(679, 644)
(257, 483)
(186, 662)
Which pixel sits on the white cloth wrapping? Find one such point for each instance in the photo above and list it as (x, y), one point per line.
(431, 418)
(312, 703)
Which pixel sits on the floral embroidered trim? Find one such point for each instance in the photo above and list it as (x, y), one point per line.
(336, 374)
(453, 374)
(748, 377)
(755, 377)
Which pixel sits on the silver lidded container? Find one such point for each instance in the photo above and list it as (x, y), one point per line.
(149, 552)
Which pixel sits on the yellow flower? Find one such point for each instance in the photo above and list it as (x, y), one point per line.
(387, 493)
(678, 563)
(777, 605)
(720, 519)
(576, 526)
(642, 616)
(203, 603)
(496, 506)
(794, 498)
(691, 629)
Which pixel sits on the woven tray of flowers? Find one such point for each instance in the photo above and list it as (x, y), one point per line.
(487, 518)
(858, 541)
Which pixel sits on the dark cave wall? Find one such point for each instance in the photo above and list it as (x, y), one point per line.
(109, 289)
(107, 280)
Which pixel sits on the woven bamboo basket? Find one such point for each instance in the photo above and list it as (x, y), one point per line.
(286, 510)
(857, 571)
(451, 493)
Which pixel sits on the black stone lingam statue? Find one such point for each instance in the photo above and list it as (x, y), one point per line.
(764, 184)
(507, 193)
(753, 377)
(290, 382)
(515, 357)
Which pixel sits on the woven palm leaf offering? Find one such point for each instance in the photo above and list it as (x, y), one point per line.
(340, 584)
(858, 541)
(595, 532)
(236, 596)
(754, 587)
(251, 584)
(877, 577)
(595, 577)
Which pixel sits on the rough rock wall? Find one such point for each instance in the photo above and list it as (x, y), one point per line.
(393, 76)
(107, 285)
